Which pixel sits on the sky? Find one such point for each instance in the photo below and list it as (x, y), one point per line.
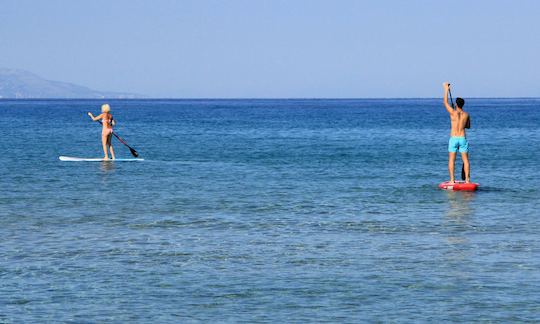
(278, 49)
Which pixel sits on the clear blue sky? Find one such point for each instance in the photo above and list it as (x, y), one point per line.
(268, 49)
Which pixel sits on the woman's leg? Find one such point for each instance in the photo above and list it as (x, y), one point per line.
(104, 141)
(109, 142)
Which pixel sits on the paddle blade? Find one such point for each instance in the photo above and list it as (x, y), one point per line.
(463, 177)
(133, 152)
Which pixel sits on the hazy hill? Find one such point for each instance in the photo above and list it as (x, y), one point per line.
(23, 84)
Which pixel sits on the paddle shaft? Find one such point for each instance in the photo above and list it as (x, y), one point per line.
(450, 94)
(131, 149)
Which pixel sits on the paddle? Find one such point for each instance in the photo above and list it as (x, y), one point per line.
(131, 149)
(463, 177)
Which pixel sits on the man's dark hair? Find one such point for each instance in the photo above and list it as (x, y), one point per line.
(460, 102)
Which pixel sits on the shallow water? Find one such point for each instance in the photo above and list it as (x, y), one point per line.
(268, 211)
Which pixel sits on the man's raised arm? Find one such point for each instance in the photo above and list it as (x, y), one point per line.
(449, 108)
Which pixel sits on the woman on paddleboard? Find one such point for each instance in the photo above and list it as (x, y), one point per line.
(106, 132)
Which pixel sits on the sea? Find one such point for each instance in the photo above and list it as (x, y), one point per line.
(268, 211)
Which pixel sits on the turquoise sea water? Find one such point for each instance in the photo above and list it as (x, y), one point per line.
(268, 211)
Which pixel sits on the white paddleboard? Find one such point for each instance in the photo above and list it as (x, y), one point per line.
(78, 159)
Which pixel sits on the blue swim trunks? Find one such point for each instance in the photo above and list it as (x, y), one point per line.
(458, 143)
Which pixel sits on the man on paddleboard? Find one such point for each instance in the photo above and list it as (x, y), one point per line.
(459, 120)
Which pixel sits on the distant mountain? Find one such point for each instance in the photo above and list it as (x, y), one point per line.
(23, 84)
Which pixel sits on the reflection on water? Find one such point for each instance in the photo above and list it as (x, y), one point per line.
(459, 205)
(456, 223)
(107, 166)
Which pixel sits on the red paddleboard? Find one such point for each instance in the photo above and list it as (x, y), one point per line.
(459, 186)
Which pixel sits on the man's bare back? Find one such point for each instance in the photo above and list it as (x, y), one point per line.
(459, 121)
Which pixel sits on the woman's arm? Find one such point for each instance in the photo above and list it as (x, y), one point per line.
(95, 118)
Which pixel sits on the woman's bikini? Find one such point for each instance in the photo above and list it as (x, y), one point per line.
(107, 125)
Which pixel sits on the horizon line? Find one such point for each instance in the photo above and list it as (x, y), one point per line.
(264, 98)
